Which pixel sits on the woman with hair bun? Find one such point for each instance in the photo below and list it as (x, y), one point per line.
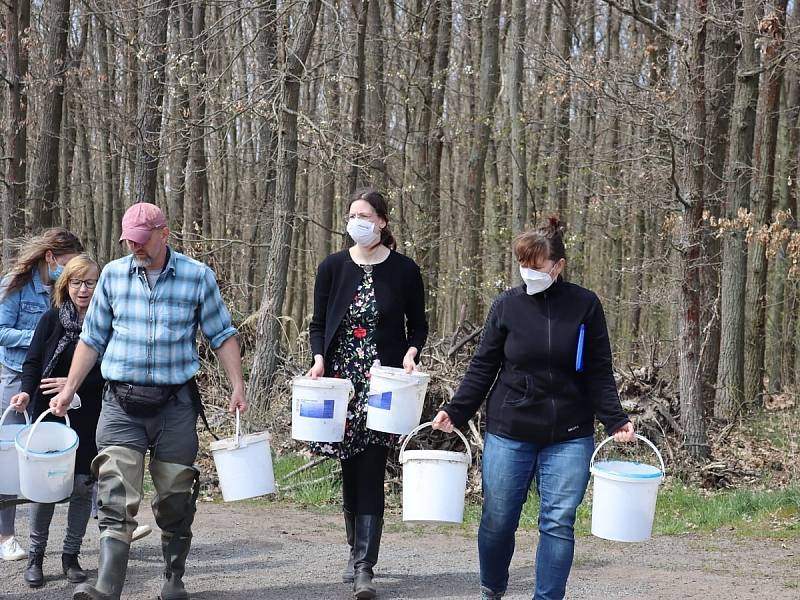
(369, 304)
(543, 368)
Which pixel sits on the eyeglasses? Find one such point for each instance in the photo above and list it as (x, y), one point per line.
(364, 216)
(76, 284)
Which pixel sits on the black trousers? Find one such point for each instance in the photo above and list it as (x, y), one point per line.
(362, 481)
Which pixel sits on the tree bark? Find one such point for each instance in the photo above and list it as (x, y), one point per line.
(772, 27)
(43, 191)
(730, 371)
(265, 360)
(151, 98)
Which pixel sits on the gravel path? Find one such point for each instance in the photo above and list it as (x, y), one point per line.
(273, 552)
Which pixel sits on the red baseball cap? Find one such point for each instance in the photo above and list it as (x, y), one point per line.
(141, 219)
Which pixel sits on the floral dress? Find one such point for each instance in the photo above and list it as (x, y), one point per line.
(352, 353)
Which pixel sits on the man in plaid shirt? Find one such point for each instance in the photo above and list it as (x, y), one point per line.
(143, 322)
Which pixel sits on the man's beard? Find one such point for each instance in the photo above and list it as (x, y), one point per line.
(142, 262)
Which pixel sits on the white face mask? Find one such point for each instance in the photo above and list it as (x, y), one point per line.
(536, 281)
(364, 233)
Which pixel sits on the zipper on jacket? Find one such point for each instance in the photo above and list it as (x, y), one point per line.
(549, 367)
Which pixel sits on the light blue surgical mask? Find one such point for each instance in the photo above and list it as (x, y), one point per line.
(57, 273)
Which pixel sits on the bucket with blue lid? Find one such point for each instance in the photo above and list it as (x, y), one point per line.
(624, 498)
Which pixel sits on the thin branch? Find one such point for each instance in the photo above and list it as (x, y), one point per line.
(634, 12)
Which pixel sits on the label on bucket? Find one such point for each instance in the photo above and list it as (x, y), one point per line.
(382, 401)
(316, 409)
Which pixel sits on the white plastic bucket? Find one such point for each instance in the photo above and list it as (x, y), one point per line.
(46, 458)
(395, 400)
(244, 465)
(9, 466)
(319, 408)
(624, 499)
(434, 482)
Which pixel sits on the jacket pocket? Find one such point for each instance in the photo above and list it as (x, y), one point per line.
(519, 390)
(29, 314)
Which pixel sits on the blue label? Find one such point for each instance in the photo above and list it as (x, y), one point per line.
(316, 409)
(382, 401)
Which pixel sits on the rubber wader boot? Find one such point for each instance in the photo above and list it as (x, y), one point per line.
(110, 572)
(175, 550)
(349, 527)
(367, 543)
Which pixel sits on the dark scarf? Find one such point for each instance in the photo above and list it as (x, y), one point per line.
(68, 315)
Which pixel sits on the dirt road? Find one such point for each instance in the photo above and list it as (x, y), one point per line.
(277, 552)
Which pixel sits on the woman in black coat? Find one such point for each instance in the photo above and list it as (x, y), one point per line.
(369, 305)
(543, 368)
(44, 372)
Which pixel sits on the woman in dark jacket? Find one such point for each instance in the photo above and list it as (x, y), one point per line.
(544, 369)
(44, 372)
(369, 305)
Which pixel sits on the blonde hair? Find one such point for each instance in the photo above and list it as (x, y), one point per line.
(76, 268)
(31, 251)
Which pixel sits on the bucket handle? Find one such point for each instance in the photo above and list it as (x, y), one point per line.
(429, 424)
(36, 424)
(238, 437)
(641, 437)
(8, 410)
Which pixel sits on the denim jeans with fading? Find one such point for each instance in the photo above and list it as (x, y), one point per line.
(561, 472)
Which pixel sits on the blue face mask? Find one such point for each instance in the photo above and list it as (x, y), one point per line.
(57, 273)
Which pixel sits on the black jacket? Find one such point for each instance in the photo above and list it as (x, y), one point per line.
(83, 420)
(526, 365)
(399, 294)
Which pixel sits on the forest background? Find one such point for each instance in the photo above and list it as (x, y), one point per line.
(665, 133)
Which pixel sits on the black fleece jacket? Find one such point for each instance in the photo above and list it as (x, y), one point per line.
(525, 368)
(399, 294)
(83, 420)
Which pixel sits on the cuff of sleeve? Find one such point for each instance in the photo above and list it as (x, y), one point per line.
(455, 416)
(617, 424)
(93, 344)
(222, 337)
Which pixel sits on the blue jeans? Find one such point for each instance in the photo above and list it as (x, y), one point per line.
(562, 473)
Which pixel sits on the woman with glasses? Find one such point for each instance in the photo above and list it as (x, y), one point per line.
(369, 305)
(24, 298)
(44, 373)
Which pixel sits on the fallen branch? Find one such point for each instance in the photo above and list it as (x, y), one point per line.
(305, 467)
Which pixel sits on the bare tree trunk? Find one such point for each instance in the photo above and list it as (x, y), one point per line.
(151, 97)
(730, 372)
(773, 27)
(519, 159)
(18, 17)
(689, 244)
(196, 178)
(361, 7)
(265, 360)
(489, 82)
(43, 191)
(559, 168)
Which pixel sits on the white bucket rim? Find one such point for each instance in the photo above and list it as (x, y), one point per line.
(6, 412)
(245, 440)
(324, 383)
(398, 373)
(26, 451)
(601, 469)
(435, 456)
(430, 424)
(640, 437)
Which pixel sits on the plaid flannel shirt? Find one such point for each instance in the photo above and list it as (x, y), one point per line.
(148, 337)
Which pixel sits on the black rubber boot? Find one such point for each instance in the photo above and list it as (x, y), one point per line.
(349, 527)
(367, 544)
(72, 568)
(34, 576)
(110, 572)
(175, 550)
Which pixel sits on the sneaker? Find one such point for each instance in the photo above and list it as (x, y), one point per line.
(12, 550)
(140, 532)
